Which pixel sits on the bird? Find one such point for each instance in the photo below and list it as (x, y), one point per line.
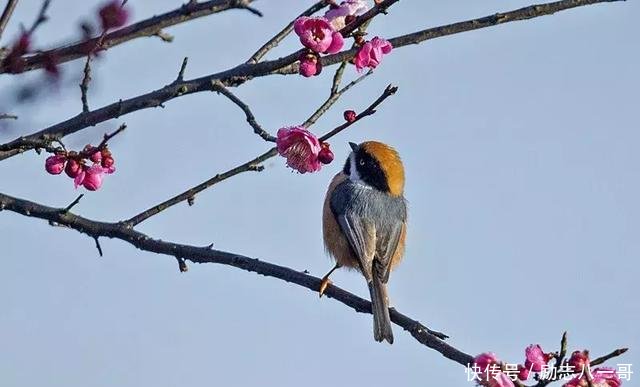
(364, 223)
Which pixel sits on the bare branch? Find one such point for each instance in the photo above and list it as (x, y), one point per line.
(6, 15)
(73, 203)
(251, 165)
(149, 27)
(125, 232)
(7, 116)
(244, 72)
(190, 193)
(84, 85)
(273, 42)
(42, 17)
(333, 98)
(183, 67)
(251, 119)
(388, 91)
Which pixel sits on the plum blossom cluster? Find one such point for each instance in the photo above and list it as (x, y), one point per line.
(321, 35)
(111, 15)
(302, 149)
(488, 370)
(87, 168)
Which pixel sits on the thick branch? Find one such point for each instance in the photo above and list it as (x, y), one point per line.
(149, 27)
(244, 72)
(195, 254)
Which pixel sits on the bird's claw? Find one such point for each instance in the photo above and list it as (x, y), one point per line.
(324, 283)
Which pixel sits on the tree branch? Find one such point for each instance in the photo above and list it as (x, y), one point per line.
(245, 71)
(251, 165)
(251, 119)
(273, 42)
(125, 232)
(149, 27)
(6, 15)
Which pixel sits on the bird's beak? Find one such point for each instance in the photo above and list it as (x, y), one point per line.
(353, 146)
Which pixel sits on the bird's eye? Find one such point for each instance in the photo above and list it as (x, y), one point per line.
(361, 162)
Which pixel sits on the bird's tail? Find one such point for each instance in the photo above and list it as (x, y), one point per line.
(380, 308)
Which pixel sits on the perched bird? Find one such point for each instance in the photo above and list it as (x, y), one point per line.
(364, 223)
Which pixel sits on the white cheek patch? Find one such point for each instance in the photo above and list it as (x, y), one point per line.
(353, 175)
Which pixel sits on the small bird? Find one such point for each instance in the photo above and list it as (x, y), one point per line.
(364, 223)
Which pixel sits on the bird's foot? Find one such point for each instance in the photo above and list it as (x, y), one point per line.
(324, 284)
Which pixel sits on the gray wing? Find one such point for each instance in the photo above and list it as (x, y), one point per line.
(362, 238)
(385, 252)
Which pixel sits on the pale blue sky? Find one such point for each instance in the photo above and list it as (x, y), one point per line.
(520, 145)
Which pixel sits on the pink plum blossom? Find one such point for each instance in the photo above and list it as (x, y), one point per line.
(300, 147)
(579, 360)
(523, 372)
(317, 34)
(91, 177)
(310, 64)
(338, 16)
(600, 377)
(55, 164)
(535, 358)
(370, 54)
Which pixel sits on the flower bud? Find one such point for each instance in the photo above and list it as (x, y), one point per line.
(325, 156)
(55, 164)
(107, 161)
(349, 115)
(579, 360)
(73, 168)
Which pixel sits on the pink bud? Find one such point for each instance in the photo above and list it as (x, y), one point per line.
(579, 360)
(107, 161)
(310, 64)
(113, 15)
(55, 164)
(349, 115)
(96, 157)
(325, 156)
(535, 358)
(523, 372)
(73, 168)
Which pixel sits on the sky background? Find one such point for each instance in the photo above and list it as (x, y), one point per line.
(520, 146)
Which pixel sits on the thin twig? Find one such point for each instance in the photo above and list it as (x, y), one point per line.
(7, 116)
(388, 91)
(73, 203)
(109, 136)
(42, 17)
(273, 42)
(332, 99)
(337, 78)
(95, 238)
(251, 165)
(84, 85)
(6, 15)
(183, 67)
(190, 193)
(251, 119)
(244, 72)
(144, 28)
(606, 357)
